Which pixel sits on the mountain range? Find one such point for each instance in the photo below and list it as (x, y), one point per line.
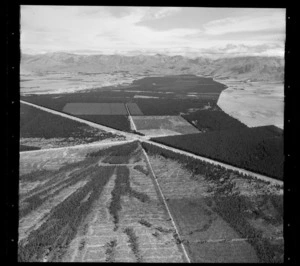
(253, 68)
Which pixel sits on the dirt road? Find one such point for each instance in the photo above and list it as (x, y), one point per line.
(101, 127)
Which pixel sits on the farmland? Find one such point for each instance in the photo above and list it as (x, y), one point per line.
(166, 104)
(94, 104)
(163, 125)
(257, 149)
(95, 109)
(134, 109)
(40, 129)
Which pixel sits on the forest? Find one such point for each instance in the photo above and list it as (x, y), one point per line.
(208, 120)
(257, 149)
(175, 83)
(236, 209)
(35, 123)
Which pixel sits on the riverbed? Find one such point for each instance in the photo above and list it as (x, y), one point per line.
(253, 103)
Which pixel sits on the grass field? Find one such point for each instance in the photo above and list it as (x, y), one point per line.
(95, 109)
(163, 125)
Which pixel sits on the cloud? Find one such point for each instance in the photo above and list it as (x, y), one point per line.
(254, 22)
(271, 49)
(158, 13)
(119, 29)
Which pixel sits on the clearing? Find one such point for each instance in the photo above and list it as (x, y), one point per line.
(163, 125)
(93, 205)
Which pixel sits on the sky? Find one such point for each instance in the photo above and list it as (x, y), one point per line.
(184, 31)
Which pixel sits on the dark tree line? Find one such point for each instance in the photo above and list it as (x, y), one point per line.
(28, 148)
(179, 83)
(35, 123)
(256, 149)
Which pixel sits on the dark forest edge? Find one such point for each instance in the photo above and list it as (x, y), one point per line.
(255, 149)
(236, 209)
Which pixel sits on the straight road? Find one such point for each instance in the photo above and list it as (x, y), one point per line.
(93, 144)
(95, 125)
(166, 205)
(240, 170)
(132, 137)
(133, 127)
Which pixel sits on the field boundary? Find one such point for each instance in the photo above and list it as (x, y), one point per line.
(130, 118)
(166, 205)
(92, 124)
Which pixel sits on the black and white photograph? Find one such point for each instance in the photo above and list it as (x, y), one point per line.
(151, 134)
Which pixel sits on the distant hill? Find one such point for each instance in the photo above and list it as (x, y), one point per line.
(254, 68)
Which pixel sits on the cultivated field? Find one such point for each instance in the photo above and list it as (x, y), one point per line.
(134, 109)
(163, 125)
(95, 109)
